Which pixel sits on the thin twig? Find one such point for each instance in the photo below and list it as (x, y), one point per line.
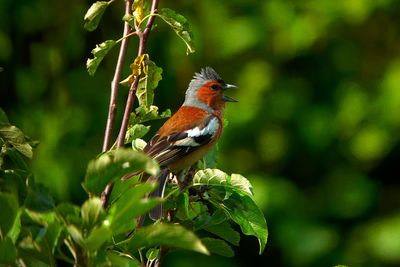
(143, 36)
(115, 82)
(105, 195)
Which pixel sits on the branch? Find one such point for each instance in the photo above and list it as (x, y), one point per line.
(143, 36)
(115, 82)
(105, 195)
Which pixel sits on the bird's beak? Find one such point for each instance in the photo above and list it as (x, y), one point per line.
(227, 98)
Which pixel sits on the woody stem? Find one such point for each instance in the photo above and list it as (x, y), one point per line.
(112, 109)
(143, 36)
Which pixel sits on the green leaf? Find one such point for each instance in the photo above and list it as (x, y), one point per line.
(147, 84)
(164, 234)
(97, 237)
(39, 198)
(9, 210)
(225, 231)
(218, 246)
(49, 230)
(94, 14)
(15, 137)
(76, 234)
(92, 212)
(3, 117)
(99, 52)
(136, 131)
(69, 213)
(181, 27)
(152, 254)
(15, 230)
(243, 210)
(8, 252)
(138, 144)
(119, 259)
(188, 210)
(217, 177)
(143, 114)
(113, 165)
(129, 206)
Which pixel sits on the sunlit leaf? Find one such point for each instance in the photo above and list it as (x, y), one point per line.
(136, 131)
(181, 27)
(172, 235)
(144, 114)
(137, 8)
(99, 52)
(94, 14)
(113, 165)
(14, 136)
(218, 246)
(92, 212)
(147, 84)
(217, 177)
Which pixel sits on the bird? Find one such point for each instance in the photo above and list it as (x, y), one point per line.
(191, 131)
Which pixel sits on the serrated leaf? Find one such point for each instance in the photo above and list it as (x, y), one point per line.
(91, 212)
(14, 136)
(225, 231)
(244, 211)
(129, 206)
(94, 14)
(217, 177)
(147, 84)
(9, 210)
(136, 131)
(172, 235)
(113, 165)
(218, 246)
(181, 27)
(99, 52)
(144, 114)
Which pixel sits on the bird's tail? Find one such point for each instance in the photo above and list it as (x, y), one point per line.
(157, 212)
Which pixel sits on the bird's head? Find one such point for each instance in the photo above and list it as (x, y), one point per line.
(206, 90)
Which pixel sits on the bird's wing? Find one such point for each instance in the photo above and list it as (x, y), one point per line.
(167, 149)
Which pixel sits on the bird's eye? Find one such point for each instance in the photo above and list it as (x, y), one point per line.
(215, 86)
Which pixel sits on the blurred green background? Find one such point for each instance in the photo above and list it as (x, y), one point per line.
(316, 129)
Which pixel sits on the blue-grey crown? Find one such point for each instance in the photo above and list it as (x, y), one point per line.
(207, 74)
(199, 79)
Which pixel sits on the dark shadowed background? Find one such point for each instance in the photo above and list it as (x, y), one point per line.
(316, 129)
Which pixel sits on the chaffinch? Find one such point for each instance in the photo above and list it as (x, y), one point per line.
(192, 131)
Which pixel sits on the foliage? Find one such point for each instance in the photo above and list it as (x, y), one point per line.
(37, 231)
(315, 130)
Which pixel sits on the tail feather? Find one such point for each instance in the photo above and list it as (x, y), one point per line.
(157, 212)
